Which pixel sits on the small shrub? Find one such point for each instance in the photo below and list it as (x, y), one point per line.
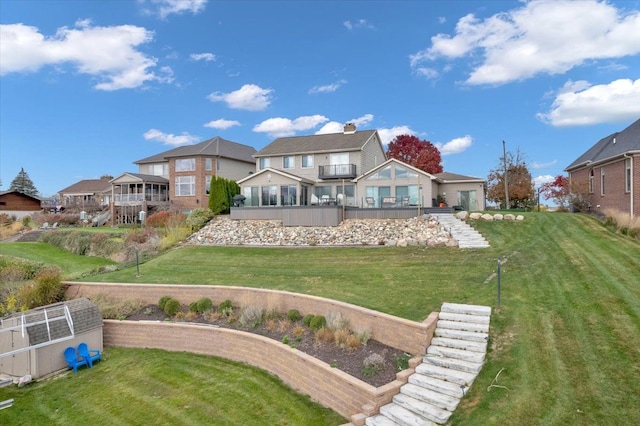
(285, 340)
(293, 315)
(372, 364)
(336, 321)
(190, 316)
(272, 314)
(363, 336)
(211, 316)
(340, 337)
(193, 307)
(353, 342)
(112, 309)
(284, 325)
(251, 316)
(298, 331)
(49, 287)
(226, 311)
(203, 305)
(171, 307)
(271, 324)
(224, 305)
(163, 301)
(318, 322)
(307, 319)
(324, 335)
(158, 219)
(401, 362)
(198, 218)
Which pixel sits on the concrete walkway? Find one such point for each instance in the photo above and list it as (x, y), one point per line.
(453, 360)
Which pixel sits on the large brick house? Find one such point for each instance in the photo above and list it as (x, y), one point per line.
(610, 172)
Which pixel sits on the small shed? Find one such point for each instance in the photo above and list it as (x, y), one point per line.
(33, 342)
(18, 204)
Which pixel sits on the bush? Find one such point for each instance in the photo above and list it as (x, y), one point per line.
(193, 307)
(225, 305)
(163, 301)
(372, 364)
(203, 305)
(307, 319)
(293, 315)
(318, 322)
(158, 219)
(336, 321)
(49, 287)
(251, 316)
(401, 362)
(171, 307)
(199, 218)
(114, 309)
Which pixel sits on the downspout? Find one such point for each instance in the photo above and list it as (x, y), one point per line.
(630, 157)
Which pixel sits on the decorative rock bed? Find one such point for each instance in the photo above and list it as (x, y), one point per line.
(419, 231)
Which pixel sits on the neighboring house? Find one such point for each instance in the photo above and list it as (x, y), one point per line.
(464, 191)
(133, 193)
(310, 170)
(188, 169)
(610, 172)
(18, 204)
(89, 195)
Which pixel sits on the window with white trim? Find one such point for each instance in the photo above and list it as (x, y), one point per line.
(265, 162)
(627, 175)
(185, 185)
(288, 162)
(307, 161)
(602, 181)
(208, 163)
(185, 164)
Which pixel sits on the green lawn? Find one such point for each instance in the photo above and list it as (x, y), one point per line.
(566, 339)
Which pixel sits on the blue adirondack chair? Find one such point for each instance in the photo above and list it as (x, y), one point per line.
(89, 355)
(71, 356)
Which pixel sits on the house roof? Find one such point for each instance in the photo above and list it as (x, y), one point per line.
(216, 147)
(332, 142)
(446, 177)
(396, 161)
(128, 177)
(278, 172)
(609, 147)
(22, 194)
(87, 186)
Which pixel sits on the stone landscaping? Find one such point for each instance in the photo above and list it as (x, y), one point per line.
(419, 231)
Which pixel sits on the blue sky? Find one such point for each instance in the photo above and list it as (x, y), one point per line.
(89, 87)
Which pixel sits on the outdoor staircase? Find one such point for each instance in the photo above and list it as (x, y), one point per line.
(461, 231)
(453, 360)
(30, 236)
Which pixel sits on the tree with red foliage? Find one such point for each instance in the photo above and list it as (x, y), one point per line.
(557, 190)
(415, 152)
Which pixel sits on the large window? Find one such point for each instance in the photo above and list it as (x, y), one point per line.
(602, 181)
(346, 195)
(158, 169)
(185, 185)
(288, 162)
(265, 162)
(384, 174)
(252, 196)
(307, 161)
(270, 195)
(377, 193)
(288, 195)
(208, 163)
(404, 173)
(207, 184)
(627, 175)
(407, 195)
(185, 164)
(340, 163)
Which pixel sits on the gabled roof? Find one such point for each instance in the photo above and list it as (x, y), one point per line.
(446, 177)
(128, 177)
(276, 171)
(215, 147)
(87, 186)
(332, 142)
(610, 147)
(396, 161)
(35, 197)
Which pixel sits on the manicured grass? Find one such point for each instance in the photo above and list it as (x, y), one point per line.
(566, 339)
(72, 265)
(153, 387)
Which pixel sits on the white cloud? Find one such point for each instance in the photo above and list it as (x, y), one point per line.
(337, 127)
(164, 8)
(107, 53)
(542, 179)
(442, 20)
(429, 73)
(281, 127)
(327, 88)
(249, 97)
(387, 135)
(359, 23)
(169, 138)
(538, 37)
(207, 57)
(581, 104)
(535, 165)
(454, 146)
(222, 124)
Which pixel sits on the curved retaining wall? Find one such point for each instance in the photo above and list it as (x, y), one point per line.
(331, 387)
(409, 336)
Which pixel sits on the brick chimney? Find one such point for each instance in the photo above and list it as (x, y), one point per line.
(349, 129)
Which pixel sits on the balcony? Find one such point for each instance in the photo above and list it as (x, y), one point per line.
(337, 171)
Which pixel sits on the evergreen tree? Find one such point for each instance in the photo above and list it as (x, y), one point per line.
(23, 183)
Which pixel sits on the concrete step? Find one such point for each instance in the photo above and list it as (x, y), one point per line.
(438, 385)
(476, 319)
(423, 409)
(404, 417)
(458, 308)
(446, 374)
(379, 420)
(455, 364)
(456, 353)
(460, 344)
(440, 400)
(470, 336)
(463, 326)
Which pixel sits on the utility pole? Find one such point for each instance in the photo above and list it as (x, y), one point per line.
(506, 184)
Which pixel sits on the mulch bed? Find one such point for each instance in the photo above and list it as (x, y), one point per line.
(349, 361)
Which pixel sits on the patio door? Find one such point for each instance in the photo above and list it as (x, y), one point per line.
(467, 199)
